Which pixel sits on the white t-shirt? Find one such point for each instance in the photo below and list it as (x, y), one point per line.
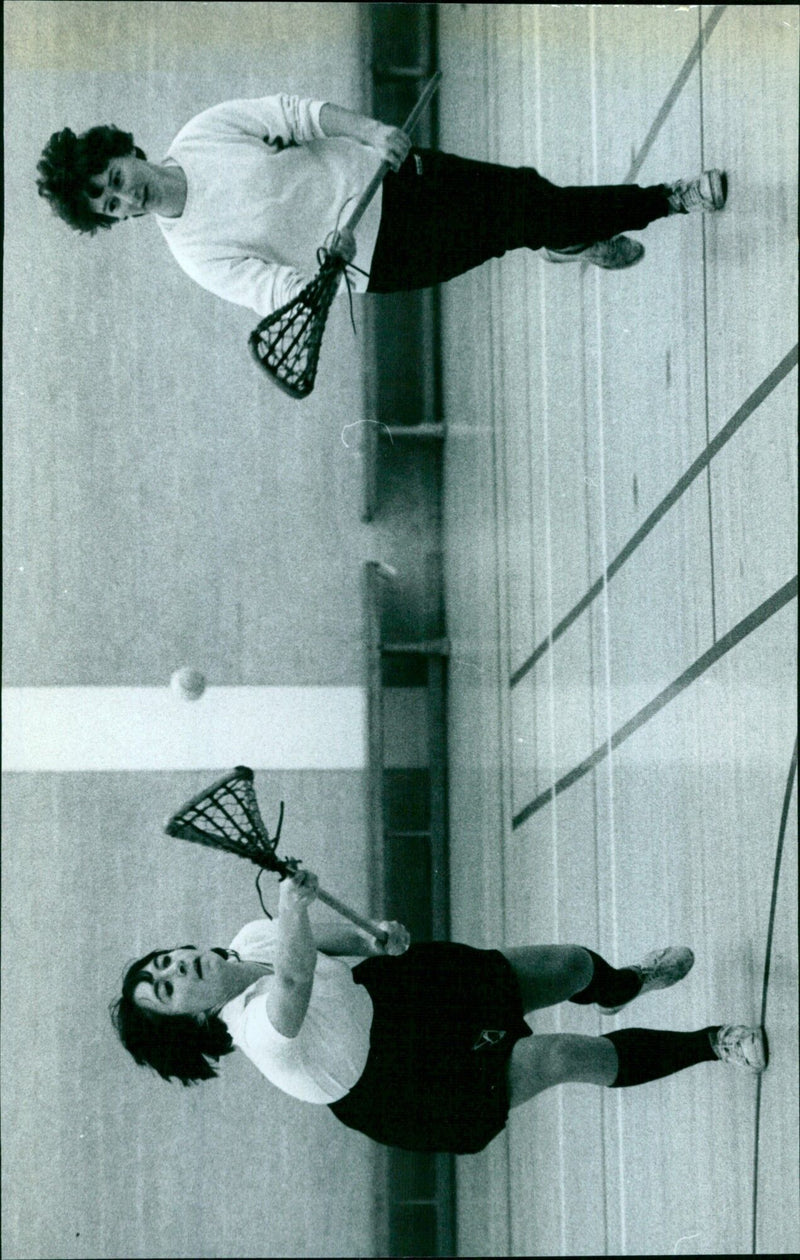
(266, 188)
(326, 1058)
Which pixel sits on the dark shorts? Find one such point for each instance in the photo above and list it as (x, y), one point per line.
(446, 1018)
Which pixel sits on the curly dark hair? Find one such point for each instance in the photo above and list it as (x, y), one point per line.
(175, 1046)
(68, 165)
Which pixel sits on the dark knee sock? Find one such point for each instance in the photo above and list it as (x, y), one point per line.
(609, 986)
(647, 1054)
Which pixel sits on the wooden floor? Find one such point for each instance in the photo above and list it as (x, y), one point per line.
(621, 569)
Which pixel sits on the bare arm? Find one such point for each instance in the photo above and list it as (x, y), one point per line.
(337, 938)
(295, 955)
(391, 143)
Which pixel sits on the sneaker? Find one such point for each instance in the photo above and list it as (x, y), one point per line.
(742, 1047)
(616, 254)
(659, 970)
(570, 254)
(613, 255)
(708, 191)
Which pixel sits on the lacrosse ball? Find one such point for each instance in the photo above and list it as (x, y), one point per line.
(188, 683)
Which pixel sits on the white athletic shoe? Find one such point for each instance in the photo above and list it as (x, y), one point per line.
(612, 255)
(659, 970)
(708, 191)
(742, 1047)
(571, 254)
(616, 254)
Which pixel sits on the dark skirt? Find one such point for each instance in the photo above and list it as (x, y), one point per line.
(446, 1018)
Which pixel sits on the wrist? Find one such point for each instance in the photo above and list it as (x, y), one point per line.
(336, 121)
(290, 908)
(373, 132)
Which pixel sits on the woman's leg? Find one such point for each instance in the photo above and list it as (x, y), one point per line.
(632, 1056)
(442, 215)
(540, 1062)
(547, 974)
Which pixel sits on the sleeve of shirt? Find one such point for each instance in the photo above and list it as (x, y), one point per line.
(258, 938)
(279, 121)
(256, 934)
(257, 1028)
(264, 287)
(251, 282)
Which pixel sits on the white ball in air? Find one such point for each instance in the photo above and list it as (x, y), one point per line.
(188, 683)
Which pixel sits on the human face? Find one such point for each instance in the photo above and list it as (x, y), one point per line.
(188, 981)
(128, 188)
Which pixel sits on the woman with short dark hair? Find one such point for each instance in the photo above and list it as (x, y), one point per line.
(250, 189)
(69, 166)
(423, 1047)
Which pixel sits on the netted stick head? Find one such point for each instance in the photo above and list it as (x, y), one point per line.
(287, 343)
(226, 816)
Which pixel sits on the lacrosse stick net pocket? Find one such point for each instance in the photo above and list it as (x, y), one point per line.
(287, 343)
(226, 816)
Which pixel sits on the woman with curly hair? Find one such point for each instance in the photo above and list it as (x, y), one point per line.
(250, 189)
(423, 1047)
(71, 165)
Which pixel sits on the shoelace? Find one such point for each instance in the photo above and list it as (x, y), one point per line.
(647, 973)
(324, 256)
(737, 1045)
(689, 193)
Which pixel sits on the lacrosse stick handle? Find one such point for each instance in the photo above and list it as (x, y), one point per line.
(287, 867)
(384, 168)
(367, 924)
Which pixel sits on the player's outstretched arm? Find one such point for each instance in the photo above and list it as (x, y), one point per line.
(295, 955)
(337, 938)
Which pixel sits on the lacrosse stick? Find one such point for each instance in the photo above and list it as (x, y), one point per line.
(287, 343)
(226, 816)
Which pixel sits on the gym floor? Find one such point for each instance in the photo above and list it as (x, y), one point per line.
(621, 581)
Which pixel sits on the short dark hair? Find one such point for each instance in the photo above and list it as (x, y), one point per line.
(176, 1046)
(68, 165)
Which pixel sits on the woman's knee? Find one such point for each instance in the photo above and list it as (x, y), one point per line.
(556, 1059)
(540, 1062)
(573, 1057)
(578, 966)
(548, 974)
(570, 966)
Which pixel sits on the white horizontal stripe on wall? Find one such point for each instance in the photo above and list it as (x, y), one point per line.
(150, 728)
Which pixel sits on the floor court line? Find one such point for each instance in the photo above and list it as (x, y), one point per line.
(787, 797)
(748, 407)
(675, 91)
(706, 388)
(740, 631)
